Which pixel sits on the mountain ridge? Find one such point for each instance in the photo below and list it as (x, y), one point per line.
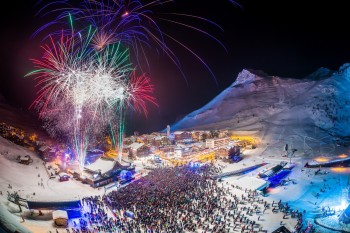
(318, 100)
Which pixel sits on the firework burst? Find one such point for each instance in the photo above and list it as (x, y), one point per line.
(82, 91)
(133, 23)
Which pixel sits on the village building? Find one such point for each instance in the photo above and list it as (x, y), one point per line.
(138, 149)
(47, 153)
(182, 136)
(129, 140)
(217, 142)
(223, 133)
(166, 150)
(182, 149)
(104, 171)
(222, 152)
(160, 140)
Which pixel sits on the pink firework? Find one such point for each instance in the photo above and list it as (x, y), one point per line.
(141, 90)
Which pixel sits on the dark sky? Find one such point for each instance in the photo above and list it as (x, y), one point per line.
(286, 38)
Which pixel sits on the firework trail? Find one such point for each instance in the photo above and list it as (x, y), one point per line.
(85, 77)
(133, 23)
(83, 90)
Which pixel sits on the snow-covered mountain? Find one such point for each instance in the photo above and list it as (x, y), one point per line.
(257, 101)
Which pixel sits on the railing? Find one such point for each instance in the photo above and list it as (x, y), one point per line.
(238, 172)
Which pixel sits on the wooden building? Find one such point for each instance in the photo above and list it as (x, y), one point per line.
(103, 172)
(139, 149)
(182, 136)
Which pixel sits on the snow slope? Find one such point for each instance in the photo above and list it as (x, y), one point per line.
(25, 180)
(256, 101)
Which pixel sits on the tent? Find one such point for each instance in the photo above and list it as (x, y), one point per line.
(60, 217)
(281, 229)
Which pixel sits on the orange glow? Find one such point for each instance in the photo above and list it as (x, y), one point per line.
(340, 169)
(343, 156)
(322, 159)
(33, 137)
(273, 190)
(111, 154)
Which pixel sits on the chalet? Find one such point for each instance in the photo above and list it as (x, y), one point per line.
(139, 149)
(201, 135)
(147, 139)
(160, 141)
(104, 171)
(166, 149)
(182, 136)
(47, 153)
(222, 152)
(196, 136)
(223, 133)
(198, 146)
(182, 150)
(232, 153)
(129, 140)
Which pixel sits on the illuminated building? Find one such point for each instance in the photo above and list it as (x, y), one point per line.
(217, 142)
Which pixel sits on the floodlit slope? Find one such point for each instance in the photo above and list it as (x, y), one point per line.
(26, 180)
(256, 101)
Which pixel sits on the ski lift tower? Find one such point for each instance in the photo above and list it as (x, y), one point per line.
(289, 153)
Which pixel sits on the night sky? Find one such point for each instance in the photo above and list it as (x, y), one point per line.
(285, 38)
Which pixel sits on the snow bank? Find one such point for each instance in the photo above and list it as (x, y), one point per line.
(10, 222)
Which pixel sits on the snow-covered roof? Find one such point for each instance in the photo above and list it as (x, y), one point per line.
(24, 158)
(101, 164)
(178, 132)
(43, 148)
(62, 174)
(135, 145)
(59, 214)
(183, 146)
(159, 137)
(198, 144)
(251, 182)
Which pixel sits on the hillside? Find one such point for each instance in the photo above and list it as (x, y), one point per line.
(308, 112)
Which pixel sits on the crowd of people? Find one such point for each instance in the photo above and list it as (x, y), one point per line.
(183, 199)
(180, 199)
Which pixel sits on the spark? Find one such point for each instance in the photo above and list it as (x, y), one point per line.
(82, 91)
